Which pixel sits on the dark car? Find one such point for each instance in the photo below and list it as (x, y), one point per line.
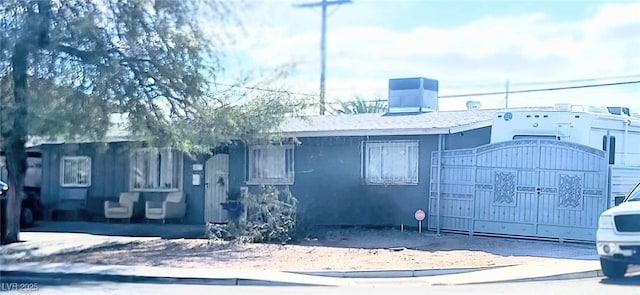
(31, 206)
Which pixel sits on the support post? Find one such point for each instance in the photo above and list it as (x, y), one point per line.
(506, 94)
(624, 142)
(440, 141)
(607, 145)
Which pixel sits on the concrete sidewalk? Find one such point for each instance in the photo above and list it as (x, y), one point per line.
(46, 244)
(560, 269)
(549, 270)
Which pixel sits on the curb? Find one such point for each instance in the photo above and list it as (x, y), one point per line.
(389, 274)
(259, 282)
(573, 276)
(153, 279)
(566, 276)
(589, 274)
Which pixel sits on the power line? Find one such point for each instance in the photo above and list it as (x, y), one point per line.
(458, 84)
(577, 80)
(541, 89)
(501, 92)
(527, 90)
(450, 96)
(266, 89)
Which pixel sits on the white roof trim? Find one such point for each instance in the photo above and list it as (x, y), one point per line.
(386, 132)
(471, 126)
(111, 139)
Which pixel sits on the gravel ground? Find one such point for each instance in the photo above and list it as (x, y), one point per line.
(341, 249)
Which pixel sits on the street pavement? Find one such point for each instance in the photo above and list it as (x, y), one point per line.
(628, 285)
(550, 270)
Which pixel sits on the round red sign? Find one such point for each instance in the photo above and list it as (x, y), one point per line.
(419, 215)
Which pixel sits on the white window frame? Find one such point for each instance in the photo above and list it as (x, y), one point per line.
(281, 160)
(164, 171)
(374, 151)
(76, 159)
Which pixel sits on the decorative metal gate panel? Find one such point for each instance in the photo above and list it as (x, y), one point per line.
(541, 188)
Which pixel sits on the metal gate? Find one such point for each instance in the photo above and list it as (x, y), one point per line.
(540, 188)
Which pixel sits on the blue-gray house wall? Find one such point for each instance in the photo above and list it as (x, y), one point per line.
(110, 175)
(328, 182)
(329, 186)
(467, 139)
(109, 172)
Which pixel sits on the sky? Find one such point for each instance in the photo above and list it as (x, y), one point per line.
(468, 46)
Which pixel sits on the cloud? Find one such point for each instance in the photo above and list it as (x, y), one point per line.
(475, 55)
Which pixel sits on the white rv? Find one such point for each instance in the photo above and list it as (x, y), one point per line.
(588, 126)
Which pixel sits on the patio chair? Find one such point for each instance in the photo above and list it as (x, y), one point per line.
(174, 206)
(124, 208)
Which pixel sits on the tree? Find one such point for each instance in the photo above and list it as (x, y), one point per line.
(65, 66)
(361, 106)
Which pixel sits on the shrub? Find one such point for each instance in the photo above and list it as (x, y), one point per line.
(270, 217)
(218, 233)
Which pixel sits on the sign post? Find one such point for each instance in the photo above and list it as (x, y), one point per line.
(419, 215)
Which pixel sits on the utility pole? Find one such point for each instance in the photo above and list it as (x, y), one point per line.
(323, 40)
(506, 94)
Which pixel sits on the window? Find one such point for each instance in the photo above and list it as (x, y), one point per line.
(612, 151)
(156, 170)
(271, 164)
(390, 162)
(75, 171)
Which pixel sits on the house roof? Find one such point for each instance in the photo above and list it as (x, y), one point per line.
(443, 122)
(117, 132)
(375, 124)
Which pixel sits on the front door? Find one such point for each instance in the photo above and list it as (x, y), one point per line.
(216, 187)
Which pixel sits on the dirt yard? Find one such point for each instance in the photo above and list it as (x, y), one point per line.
(342, 249)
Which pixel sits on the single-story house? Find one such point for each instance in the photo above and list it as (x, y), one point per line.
(366, 169)
(357, 169)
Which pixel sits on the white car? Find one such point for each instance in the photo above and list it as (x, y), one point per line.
(618, 236)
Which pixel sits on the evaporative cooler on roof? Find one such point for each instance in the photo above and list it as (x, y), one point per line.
(413, 95)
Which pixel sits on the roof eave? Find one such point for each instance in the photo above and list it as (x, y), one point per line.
(472, 126)
(109, 139)
(387, 132)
